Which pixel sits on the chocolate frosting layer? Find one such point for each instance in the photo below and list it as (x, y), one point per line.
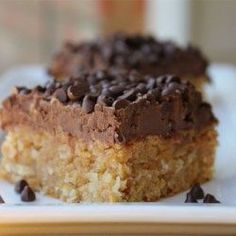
(110, 107)
(120, 51)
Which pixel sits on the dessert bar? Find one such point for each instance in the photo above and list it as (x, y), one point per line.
(142, 53)
(109, 136)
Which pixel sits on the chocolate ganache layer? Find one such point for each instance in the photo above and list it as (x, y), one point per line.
(143, 53)
(112, 107)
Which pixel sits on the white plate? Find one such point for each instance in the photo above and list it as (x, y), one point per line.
(221, 93)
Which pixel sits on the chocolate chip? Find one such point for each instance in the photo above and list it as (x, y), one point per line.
(27, 195)
(116, 90)
(61, 95)
(160, 79)
(19, 186)
(129, 95)
(172, 88)
(50, 88)
(1, 200)
(106, 92)
(190, 198)
(23, 90)
(150, 83)
(197, 192)
(40, 89)
(88, 103)
(106, 100)
(172, 78)
(119, 104)
(209, 198)
(175, 87)
(75, 92)
(141, 88)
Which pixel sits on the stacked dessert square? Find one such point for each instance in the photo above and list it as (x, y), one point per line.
(108, 135)
(142, 53)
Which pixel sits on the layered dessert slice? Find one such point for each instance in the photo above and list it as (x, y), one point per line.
(109, 137)
(143, 53)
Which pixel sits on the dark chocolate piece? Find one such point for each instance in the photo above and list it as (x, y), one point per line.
(27, 195)
(209, 198)
(1, 200)
(190, 198)
(78, 89)
(20, 185)
(60, 94)
(88, 103)
(197, 192)
(121, 103)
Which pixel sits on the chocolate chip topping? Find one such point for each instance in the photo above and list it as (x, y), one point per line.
(197, 192)
(19, 186)
(60, 94)
(1, 200)
(27, 195)
(190, 198)
(122, 51)
(88, 103)
(78, 89)
(121, 103)
(112, 106)
(209, 198)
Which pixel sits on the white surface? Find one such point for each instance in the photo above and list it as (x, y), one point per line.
(169, 19)
(221, 93)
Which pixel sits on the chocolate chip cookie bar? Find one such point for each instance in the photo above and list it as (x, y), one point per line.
(109, 137)
(143, 53)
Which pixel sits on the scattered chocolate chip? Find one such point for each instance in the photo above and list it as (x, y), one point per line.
(88, 103)
(27, 195)
(19, 186)
(197, 192)
(119, 104)
(1, 200)
(61, 95)
(190, 198)
(209, 198)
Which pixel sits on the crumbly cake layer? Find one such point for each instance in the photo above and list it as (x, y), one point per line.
(145, 54)
(145, 169)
